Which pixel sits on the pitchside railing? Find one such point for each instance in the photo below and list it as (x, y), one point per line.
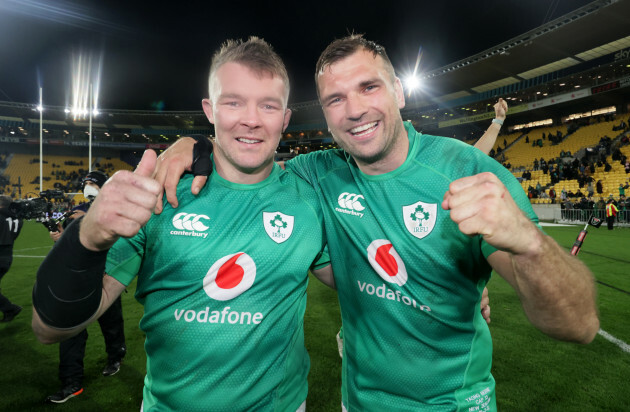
(579, 216)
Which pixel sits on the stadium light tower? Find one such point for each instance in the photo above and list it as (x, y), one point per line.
(91, 109)
(85, 71)
(41, 139)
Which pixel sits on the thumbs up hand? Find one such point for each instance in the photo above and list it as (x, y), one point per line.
(124, 204)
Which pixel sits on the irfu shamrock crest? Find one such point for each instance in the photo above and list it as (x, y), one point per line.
(419, 215)
(278, 222)
(278, 226)
(420, 218)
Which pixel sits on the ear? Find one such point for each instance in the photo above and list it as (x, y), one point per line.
(287, 117)
(208, 109)
(400, 94)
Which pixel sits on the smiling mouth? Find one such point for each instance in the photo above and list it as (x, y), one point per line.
(248, 141)
(364, 129)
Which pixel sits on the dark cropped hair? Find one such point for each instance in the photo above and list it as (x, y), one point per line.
(5, 201)
(255, 53)
(346, 46)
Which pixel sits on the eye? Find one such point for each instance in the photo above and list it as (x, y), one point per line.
(333, 101)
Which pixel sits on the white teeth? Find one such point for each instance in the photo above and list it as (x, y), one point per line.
(357, 130)
(249, 141)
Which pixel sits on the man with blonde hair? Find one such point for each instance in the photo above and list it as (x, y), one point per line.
(222, 278)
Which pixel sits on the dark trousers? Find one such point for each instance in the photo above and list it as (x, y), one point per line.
(611, 222)
(5, 264)
(72, 351)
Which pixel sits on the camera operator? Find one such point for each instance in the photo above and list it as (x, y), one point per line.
(10, 227)
(72, 351)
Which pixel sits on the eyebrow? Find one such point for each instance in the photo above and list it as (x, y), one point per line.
(362, 84)
(368, 82)
(241, 97)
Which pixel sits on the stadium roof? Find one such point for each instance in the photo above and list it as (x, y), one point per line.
(596, 29)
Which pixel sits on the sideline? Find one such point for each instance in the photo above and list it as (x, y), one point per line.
(31, 248)
(29, 256)
(610, 338)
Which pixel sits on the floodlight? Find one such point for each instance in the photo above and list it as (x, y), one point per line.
(412, 82)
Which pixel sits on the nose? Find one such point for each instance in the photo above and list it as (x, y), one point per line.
(355, 107)
(251, 117)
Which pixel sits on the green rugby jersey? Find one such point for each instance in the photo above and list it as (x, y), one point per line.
(223, 282)
(409, 282)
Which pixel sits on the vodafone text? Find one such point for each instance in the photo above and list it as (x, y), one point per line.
(384, 293)
(215, 316)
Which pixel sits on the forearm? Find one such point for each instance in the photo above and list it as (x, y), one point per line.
(486, 142)
(557, 291)
(68, 289)
(112, 289)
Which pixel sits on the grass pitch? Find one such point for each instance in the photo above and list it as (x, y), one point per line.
(533, 372)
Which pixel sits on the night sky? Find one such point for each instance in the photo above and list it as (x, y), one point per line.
(160, 51)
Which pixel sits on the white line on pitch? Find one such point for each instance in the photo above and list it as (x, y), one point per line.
(29, 256)
(32, 248)
(610, 338)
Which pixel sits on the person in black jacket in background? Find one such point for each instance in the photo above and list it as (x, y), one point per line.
(10, 227)
(72, 351)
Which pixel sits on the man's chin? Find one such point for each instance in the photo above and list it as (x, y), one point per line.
(365, 156)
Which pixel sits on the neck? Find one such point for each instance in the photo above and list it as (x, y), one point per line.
(244, 177)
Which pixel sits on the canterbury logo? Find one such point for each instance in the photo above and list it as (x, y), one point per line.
(189, 224)
(350, 204)
(350, 201)
(190, 221)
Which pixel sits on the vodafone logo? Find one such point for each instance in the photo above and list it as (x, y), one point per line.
(387, 262)
(350, 203)
(230, 276)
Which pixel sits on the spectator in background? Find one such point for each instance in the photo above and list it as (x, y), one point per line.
(599, 187)
(72, 350)
(622, 190)
(552, 195)
(607, 167)
(10, 227)
(611, 212)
